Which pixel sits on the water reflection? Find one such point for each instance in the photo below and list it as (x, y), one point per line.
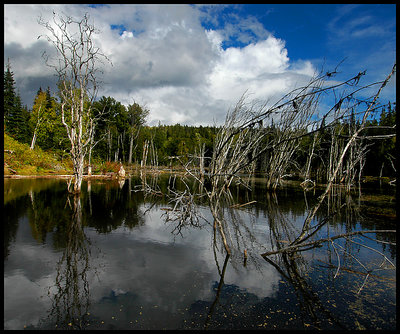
(218, 292)
(113, 259)
(70, 293)
(294, 268)
(314, 313)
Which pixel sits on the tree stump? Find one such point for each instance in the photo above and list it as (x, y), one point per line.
(121, 172)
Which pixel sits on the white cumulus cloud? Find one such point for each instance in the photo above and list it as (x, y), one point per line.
(162, 57)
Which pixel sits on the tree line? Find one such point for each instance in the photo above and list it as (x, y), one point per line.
(282, 140)
(122, 136)
(121, 133)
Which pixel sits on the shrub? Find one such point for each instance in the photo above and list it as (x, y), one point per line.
(109, 166)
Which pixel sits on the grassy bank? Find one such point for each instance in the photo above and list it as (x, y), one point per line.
(21, 160)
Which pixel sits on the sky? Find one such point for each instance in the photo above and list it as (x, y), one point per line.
(190, 64)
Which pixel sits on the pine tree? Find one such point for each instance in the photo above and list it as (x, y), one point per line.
(9, 95)
(15, 116)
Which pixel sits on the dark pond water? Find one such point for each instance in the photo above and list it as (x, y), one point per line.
(111, 260)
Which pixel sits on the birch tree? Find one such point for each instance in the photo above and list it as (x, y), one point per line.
(38, 114)
(76, 65)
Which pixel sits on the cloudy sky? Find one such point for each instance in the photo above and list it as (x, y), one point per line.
(189, 64)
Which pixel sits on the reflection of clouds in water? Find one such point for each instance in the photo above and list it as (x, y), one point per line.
(30, 257)
(20, 291)
(27, 286)
(143, 262)
(153, 270)
(249, 279)
(144, 266)
(158, 230)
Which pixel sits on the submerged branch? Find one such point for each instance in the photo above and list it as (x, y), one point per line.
(317, 243)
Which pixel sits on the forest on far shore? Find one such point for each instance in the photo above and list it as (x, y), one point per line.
(122, 135)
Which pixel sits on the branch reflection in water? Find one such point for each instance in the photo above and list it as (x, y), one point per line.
(70, 293)
(177, 282)
(237, 239)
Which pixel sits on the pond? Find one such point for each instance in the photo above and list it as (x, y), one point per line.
(116, 258)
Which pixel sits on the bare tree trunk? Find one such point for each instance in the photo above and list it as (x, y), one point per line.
(122, 140)
(145, 153)
(76, 69)
(307, 179)
(116, 153)
(130, 149)
(36, 129)
(33, 139)
(201, 160)
(154, 155)
(109, 141)
(307, 222)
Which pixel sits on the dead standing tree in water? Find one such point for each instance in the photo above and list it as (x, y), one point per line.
(307, 224)
(291, 117)
(234, 146)
(239, 142)
(306, 238)
(76, 68)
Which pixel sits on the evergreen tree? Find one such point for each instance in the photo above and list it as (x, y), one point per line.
(9, 95)
(15, 116)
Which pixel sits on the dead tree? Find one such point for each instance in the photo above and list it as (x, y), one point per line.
(307, 231)
(308, 182)
(290, 122)
(238, 144)
(77, 69)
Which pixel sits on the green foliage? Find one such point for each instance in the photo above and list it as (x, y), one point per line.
(175, 140)
(121, 133)
(382, 152)
(20, 158)
(43, 121)
(9, 93)
(15, 116)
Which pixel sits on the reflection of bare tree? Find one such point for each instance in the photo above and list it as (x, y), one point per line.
(311, 306)
(220, 284)
(149, 188)
(185, 211)
(293, 267)
(70, 300)
(288, 261)
(282, 236)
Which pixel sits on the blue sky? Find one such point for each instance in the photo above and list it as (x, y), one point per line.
(326, 33)
(191, 63)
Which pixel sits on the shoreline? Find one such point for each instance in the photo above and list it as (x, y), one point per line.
(368, 181)
(61, 176)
